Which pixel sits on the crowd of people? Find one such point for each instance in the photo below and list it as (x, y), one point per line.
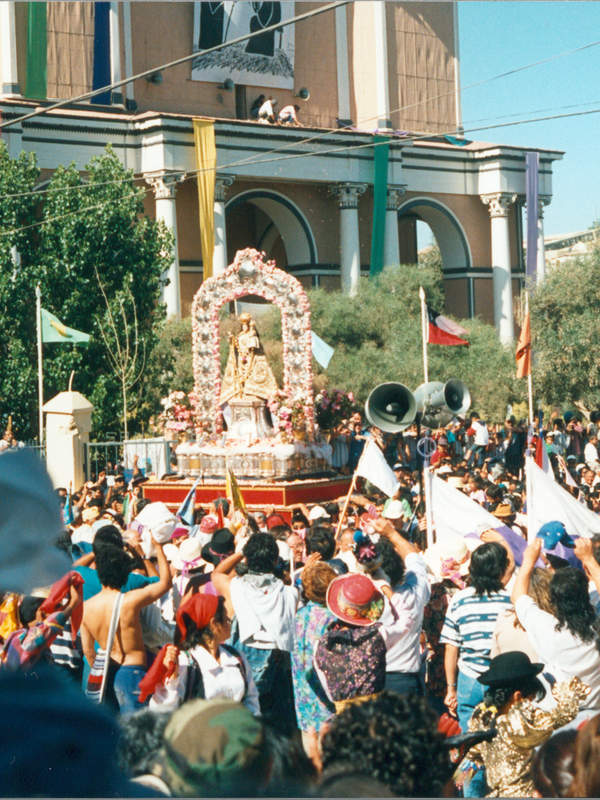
(321, 649)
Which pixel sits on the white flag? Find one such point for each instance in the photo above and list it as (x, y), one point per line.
(455, 514)
(548, 501)
(321, 350)
(373, 466)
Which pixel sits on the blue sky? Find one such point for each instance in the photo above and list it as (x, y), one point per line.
(497, 36)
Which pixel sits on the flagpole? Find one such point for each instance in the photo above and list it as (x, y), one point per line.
(424, 332)
(345, 507)
(428, 508)
(529, 379)
(38, 315)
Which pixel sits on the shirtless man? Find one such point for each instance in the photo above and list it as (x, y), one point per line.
(127, 657)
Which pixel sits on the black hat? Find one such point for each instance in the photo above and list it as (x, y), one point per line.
(508, 668)
(221, 545)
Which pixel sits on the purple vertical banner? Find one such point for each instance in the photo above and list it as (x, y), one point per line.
(532, 162)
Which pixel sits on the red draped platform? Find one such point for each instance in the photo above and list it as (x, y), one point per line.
(257, 496)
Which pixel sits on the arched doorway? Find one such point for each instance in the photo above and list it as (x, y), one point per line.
(269, 221)
(449, 237)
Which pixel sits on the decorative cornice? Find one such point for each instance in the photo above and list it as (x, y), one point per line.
(498, 203)
(347, 194)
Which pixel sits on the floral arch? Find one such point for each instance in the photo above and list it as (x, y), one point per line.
(251, 274)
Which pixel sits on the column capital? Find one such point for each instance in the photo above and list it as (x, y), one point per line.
(498, 203)
(543, 200)
(164, 184)
(222, 183)
(394, 196)
(347, 193)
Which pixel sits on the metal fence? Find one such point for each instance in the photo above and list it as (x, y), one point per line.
(153, 456)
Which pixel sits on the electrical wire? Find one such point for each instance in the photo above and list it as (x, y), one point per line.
(326, 132)
(109, 87)
(305, 155)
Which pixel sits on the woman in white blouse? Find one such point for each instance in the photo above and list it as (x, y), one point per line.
(200, 664)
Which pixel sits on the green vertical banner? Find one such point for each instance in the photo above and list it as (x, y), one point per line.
(380, 170)
(37, 27)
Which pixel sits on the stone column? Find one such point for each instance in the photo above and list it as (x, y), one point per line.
(222, 183)
(347, 195)
(541, 250)
(391, 242)
(164, 185)
(9, 83)
(499, 205)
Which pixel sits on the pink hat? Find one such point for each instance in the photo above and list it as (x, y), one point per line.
(208, 524)
(179, 532)
(355, 599)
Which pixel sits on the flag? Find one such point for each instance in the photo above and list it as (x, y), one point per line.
(321, 351)
(523, 354)
(185, 512)
(455, 514)
(206, 164)
(68, 509)
(541, 456)
(233, 493)
(37, 50)
(373, 466)
(547, 501)
(442, 330)
(53, 330)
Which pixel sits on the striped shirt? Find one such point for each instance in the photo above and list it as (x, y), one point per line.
(469, 625)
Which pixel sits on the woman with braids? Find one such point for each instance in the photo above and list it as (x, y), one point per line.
(509, 707)
(567, 640)
(199, 664)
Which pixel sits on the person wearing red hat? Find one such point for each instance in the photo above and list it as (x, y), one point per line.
(350, 656)
(199, 664)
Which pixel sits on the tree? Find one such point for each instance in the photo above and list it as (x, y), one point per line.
(81, 226)
(566, 334)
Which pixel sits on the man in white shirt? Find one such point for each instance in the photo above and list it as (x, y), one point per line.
(289, 115)
(266, 113)
(590, 453)
(402, 619)
(480, 441)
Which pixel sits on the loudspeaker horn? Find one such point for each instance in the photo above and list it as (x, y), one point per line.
(439, 402)
(391, 407)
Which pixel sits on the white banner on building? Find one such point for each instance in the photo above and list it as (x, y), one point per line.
(265, 60)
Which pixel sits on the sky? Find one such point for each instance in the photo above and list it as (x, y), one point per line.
(497, 36)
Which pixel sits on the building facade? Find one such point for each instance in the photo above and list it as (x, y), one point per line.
(303, 195)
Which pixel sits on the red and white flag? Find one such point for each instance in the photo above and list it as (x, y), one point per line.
(442, 330)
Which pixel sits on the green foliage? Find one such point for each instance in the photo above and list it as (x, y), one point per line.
(566, 334)
(100, 227)
(377, 337)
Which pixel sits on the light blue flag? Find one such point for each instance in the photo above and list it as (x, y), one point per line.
(185, 512)
(321, 350)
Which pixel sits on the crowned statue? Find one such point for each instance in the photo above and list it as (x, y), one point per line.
(248, 380)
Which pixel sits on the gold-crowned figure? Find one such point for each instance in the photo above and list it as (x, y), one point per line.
(248, 375)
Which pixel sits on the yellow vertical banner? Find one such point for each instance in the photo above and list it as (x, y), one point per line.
(206, 166)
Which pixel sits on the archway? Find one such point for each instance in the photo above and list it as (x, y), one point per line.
(275, 225)
(251, 275)
(447, 230)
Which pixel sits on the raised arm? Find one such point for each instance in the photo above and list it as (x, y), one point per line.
(530, 556)
(401, 545)
(585, 553)
(148, 594)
